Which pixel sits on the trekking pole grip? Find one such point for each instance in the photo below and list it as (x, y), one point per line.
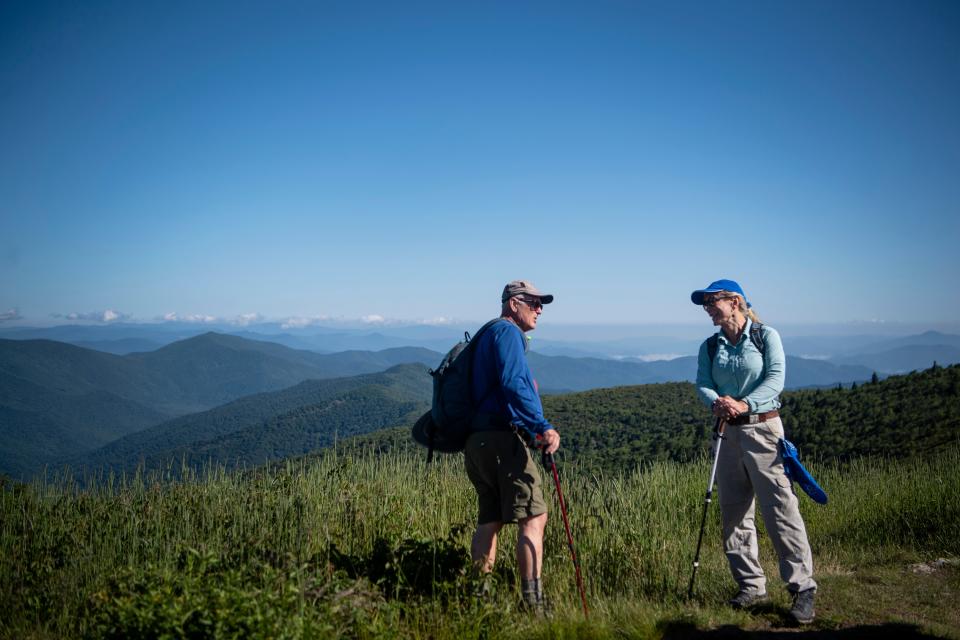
(547, 459)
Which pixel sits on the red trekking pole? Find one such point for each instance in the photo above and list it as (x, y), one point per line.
(549, 462)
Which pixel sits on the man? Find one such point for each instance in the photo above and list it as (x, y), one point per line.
(498, 462)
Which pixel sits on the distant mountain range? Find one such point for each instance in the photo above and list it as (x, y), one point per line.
(192, 374)
(904, 359)
(581, 341)
(58, 400)
(561, 374)
(124, 338)
(271, 426)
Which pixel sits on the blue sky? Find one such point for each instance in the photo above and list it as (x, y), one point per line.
(405, 160)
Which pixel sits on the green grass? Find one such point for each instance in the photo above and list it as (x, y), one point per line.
(376, 546)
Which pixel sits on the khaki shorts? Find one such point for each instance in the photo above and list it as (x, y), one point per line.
(505, 476)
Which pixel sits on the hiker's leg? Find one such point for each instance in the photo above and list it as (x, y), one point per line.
(483, 548)
(530, 545)
(737, 515)
(778, 504)
(482, 469)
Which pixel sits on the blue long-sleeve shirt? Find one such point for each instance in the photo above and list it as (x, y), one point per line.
(741, 371)
(502, 381)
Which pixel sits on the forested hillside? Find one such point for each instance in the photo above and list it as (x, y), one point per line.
(60, 400)
(900, 416)
(269, 426)
(624, 427)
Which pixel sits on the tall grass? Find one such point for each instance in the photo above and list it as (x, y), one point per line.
(368, 545)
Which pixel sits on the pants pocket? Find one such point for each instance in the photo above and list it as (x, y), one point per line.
(771, 431)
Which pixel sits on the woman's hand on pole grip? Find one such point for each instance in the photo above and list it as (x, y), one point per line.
(728, 407)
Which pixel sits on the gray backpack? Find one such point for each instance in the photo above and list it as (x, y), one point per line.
(447, 425)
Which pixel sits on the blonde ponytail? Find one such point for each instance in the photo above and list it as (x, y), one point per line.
(742, 304)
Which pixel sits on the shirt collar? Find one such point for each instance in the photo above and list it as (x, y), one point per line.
(746, 332)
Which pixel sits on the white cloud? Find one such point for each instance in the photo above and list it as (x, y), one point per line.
(656, 357)
(300, 323)
(247, 319)
(12, 314)
(373, 319)
(201, 318)
(439, 320)
(106, 316)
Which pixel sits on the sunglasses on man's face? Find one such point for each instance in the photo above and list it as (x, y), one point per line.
(533, 304)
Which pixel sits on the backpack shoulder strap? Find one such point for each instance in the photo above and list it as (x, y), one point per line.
(712, 347)
(472, 345)
(484, 328)
(756, 337)
(472, 340)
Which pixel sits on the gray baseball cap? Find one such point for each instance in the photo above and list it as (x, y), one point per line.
(519, 287)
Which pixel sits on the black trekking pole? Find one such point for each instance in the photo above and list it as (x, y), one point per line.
(549, 462)
(718, 436)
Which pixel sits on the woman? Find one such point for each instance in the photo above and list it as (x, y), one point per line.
(740, 375)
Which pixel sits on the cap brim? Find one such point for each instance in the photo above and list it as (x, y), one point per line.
(544, 298)
(697, 296)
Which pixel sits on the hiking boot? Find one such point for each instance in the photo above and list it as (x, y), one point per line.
(536, 608)
(532, 598)
(746, 599)
(484, 587)
(802, 609)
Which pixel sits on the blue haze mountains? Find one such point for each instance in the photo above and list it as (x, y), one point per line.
(58, 399)
(253, 396)
(274, 425)
(842, 347)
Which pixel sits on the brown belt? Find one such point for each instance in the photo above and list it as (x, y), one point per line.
(753, 418)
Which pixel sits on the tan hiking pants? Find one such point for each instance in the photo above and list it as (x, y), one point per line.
(749, 464)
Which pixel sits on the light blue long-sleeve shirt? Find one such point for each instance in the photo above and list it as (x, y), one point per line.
(742, 372)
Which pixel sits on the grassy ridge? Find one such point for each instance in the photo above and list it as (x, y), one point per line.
(368, 545)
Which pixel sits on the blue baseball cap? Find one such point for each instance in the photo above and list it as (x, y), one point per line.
(717, 286)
